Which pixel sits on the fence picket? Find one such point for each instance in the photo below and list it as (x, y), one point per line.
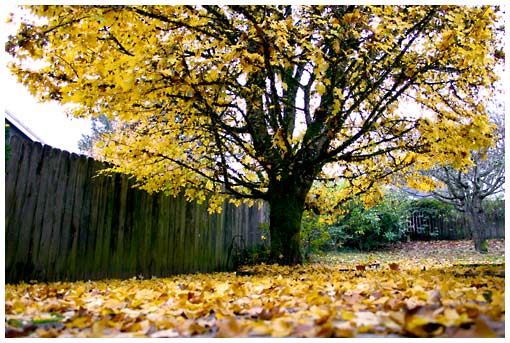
(421, 226)
(63, 222)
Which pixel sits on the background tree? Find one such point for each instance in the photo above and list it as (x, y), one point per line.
(466, 188)
(101, 127)
(257, 102)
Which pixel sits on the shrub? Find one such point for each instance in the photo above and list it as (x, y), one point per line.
(495, 207)
(431, 207)
(369, 228)
(314, 234)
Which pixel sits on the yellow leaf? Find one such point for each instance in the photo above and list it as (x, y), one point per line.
(281, 327)
(230, 327)
(79, 322)
(321, 89)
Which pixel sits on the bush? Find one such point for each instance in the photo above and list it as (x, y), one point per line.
(431, 207)
(494, 207)
(314, 235)
(368, 229)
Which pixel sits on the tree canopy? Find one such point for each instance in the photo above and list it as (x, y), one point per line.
(257, 102)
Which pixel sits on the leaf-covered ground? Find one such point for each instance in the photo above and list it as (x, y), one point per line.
(419, 289)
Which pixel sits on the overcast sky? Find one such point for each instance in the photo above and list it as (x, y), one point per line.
(46, 120)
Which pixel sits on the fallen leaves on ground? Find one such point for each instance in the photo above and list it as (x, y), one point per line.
(414, 297)
(424, 253)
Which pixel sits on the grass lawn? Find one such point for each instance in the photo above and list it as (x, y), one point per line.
(417, 289)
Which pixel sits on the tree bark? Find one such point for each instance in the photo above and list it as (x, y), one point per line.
(477, 225)
(287, 201)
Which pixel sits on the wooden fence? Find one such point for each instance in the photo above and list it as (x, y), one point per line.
(421, 226)
(65, 223)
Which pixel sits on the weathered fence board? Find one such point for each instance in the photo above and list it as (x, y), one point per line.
(64, 222)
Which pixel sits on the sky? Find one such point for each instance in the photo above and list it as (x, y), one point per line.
(47, 120)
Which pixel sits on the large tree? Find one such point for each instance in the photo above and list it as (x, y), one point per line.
(257, 102)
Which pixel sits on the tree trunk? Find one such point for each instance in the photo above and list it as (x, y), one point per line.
(479, 241)
(286, 201)
(477, 225)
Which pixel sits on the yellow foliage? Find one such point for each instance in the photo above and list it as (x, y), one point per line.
(208, 97)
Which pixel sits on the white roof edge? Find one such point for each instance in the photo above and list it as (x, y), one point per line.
(20, 126)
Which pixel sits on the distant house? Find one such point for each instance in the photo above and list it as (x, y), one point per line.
(16, 128)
